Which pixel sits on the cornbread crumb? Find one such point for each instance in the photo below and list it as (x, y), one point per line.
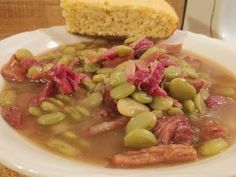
(120, 18)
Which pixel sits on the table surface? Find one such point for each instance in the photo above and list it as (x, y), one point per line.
(24, 15)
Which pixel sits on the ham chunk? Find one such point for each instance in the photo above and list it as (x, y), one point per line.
(174, 129)
(154, 155)
(13, 71)
(140, 46)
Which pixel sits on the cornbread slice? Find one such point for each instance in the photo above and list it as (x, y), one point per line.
(120, 18)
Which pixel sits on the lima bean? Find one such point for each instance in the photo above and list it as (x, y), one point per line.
(66, 59)
(181, 90)
(62, 146)
(73, 112)
(162, 103)
(56, 102)
(130, 39)
(149, 52)
(76, 139)
(199, 103)
(122, 91)
(47, 106)
(117, 77)
(142, 97)
(172, 72)
(35, 111)
(90, 67)
(23, 54)
(129, 107)
(123, 50)
(158, 113)
(140, 138)
(51, 118)
(175, 111)
(99, 77)
(62, 97)
(189, 106)
(212, 147)
(145, 120)
(34, 70)
(48, 66)
(89, 84)
(190, 72)
(105, 70)
(93, 100)
(99, 87)
(83, 111)
(8, 97)
(59, 128)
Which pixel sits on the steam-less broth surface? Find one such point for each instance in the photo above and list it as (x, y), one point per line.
(50, 96)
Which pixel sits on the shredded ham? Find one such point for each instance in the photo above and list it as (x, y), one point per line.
(28, 63)
(149, 79)
(65, 79)
(107, 126)
(13, 71)
(154, 155)
(140, 46)
(174, 129)
(46, 92)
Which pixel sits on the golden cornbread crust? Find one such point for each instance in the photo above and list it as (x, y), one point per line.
(120, 18)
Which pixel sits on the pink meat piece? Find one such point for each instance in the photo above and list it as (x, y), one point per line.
(109, 55)
(13, 71)
(107, 126)
(154, 155)
(171, 48)
(174, 129)
(149, 79)
(13, 115)
(64, 78)
(140, 46)
(28, 63)
(210, 129)
(46, 92)
(115, 61)
(216, 101)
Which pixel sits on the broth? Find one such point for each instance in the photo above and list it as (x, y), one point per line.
(97, 149)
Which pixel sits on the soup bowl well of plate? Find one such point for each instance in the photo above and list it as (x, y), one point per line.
(24, 156)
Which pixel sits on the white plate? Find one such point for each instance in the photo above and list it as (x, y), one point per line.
(25, 157)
